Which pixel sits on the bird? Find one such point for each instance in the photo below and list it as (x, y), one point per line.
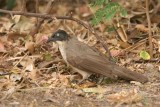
(86, 61)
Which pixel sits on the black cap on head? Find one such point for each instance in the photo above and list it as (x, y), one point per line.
(59, 35)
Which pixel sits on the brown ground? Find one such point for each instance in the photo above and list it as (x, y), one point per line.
(40, 78)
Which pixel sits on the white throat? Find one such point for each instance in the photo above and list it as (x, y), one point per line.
(62, 48)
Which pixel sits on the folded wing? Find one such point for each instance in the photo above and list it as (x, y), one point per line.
(84, 58)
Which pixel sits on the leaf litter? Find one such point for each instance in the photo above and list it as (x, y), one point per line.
(36, 69)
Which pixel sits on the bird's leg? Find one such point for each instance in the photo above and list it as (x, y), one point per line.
(101, 78)
(84, 74)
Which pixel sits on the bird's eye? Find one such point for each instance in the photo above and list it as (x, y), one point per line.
(57, 34)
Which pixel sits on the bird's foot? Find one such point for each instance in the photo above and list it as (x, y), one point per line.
(76, 79)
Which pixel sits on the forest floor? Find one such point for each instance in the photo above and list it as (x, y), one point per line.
(33, 73)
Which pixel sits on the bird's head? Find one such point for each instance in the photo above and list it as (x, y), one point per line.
(59, 35)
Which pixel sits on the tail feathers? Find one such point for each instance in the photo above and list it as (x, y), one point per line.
(129, 75)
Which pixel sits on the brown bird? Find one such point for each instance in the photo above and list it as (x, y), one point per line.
(85, 61)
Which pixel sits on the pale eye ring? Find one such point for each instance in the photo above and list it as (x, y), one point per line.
(57, 34)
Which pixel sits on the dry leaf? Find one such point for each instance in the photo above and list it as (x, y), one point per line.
(158, 68)
(33, 103)
(41, 38)
(129, 96)
(141, 27)
(7, 26)
(9, 92)
(86, 85)
(33, 74)
(29, 67)
(112, 41)
(98, 89)
(150, 67)
(2, 48)
(16, 18)
(83, 11)
(123, 45)
(136, 83)
(159, 46)
(102, 27)
(22, 24)
(30, 46)
(64, 80)
(115, 52)
(15, 35)
(121, 32)
(15, 77)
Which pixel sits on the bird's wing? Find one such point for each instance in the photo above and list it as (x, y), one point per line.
(84, 58)
(91, 64)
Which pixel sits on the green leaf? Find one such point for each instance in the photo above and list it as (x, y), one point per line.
(144, 55)
(47, 57)
(110, 15)
(98, 17)
(110, 28)
(10, 4)
(108, 12)
(98, 2)
(123, 12)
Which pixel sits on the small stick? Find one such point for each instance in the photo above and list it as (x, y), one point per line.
(149, 27)
(58, 17)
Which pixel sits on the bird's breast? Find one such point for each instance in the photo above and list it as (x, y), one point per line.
(62, 49)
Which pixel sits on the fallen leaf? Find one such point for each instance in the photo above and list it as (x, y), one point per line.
(122, 34)
(29, 67)
(9, 92)
(16, 18)
(15, 77)
(47, 57)
(29, 46)
(141, 27)
(98, 89)
(115, 52)
(113, 41)
(2, 48)
(86, 85)
(22, 24)
(130, 96)
(150, 67)
(40, 38)
(136, 83)
(15, 35)
(33, 74)
(159, 46)
(144, 55)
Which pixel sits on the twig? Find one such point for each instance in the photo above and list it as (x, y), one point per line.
(15, 58)
(149, 27)
(37, 10)
(20, 60)
(132, 47)
(104, 45)
(37, 6)
(23, 4)
(46, 17)
(36, 88)
(48, 9)
(58, 17)
(49, 6)
(5, 73)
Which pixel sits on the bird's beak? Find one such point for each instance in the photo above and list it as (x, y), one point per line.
(51, 40)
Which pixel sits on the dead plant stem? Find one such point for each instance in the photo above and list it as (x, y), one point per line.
(149, 27)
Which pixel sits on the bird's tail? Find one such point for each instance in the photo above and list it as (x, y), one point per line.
(128, 74)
